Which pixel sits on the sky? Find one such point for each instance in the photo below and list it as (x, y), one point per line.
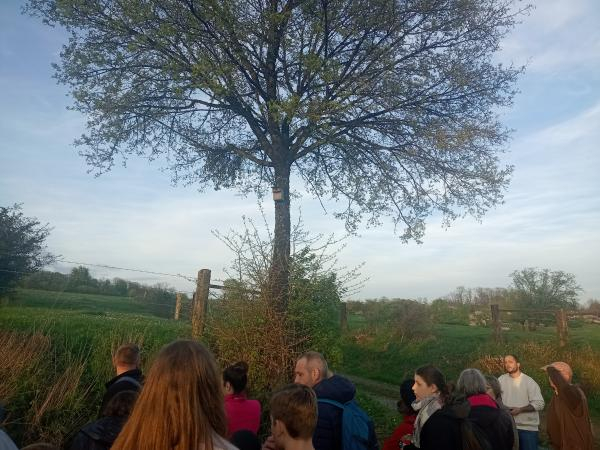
(133, 217)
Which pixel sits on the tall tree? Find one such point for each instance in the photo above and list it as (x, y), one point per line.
(387, 107)
(22, 245)
(544, 288)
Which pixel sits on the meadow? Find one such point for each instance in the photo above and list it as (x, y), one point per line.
(55, 358)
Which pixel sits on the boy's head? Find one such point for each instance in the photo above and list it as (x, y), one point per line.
(293, 414)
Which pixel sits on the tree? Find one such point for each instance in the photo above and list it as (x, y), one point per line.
(22, 245)
(544, 289)
(387, 108)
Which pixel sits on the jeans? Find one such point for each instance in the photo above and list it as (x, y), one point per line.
(528, 440)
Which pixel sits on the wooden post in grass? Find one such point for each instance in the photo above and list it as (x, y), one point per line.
(177, 305)
(562, 327)
(497, 324)
(200, 303)
(343, 316)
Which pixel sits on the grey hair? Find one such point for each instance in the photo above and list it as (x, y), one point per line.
(316, 359)
(494, 385)
(471, 382)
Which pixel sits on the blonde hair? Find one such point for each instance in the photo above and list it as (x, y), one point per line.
(180, 406)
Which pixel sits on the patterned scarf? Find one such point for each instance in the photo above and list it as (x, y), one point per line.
(426, 408)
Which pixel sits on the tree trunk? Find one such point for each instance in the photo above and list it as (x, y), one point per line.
(279, 272)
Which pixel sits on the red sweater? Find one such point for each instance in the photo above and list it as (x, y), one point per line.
(242, 414)
(406, 427)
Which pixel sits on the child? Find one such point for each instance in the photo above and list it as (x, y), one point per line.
(293, 417)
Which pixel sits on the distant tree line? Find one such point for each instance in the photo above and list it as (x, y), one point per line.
(80, 280)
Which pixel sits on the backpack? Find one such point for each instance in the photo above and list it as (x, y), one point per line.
(357, 428)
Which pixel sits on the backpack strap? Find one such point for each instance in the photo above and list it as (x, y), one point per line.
(331, 402)
(131, 380)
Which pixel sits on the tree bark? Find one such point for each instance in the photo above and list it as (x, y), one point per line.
(279, 272)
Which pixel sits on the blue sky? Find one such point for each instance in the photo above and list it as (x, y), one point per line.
(133, 217)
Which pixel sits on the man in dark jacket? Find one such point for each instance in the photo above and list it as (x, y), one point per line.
(312, 371)
(126, 362)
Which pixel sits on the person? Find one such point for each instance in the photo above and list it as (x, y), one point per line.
(485, 413)
(242, 414)
(522, 395)
(312, 370)
(568, 418)
(293, 417)
(401, 435)
(126, 362)
(181, 404)
(245, 440)
(100, 434)
(6, 443)
(442, 419)
(494, 390)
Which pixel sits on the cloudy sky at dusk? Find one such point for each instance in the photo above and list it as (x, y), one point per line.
(133, 217)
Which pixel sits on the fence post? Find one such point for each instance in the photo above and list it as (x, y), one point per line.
(562, 327)
(200, 303)
(344, 316)
(177, 305)
(496, 322)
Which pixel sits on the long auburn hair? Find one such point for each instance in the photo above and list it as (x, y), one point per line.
(180, 406)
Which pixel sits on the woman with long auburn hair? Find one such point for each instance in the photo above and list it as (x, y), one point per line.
(180, 406)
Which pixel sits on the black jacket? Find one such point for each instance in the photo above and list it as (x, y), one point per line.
(117, 385)
(496, 424)
(98, 435)
(442, 431)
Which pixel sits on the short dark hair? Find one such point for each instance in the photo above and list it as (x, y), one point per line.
(512, 355)
(121, 404)
(296, 406)
(237, 375)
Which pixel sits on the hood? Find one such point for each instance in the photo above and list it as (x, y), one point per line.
(456, 408)
(335, 388)
(135, 373)
(105, 429)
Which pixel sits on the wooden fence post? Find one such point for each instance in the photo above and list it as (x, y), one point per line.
(177, 305)
(200, 303)
(496, 322)
(344, 316)
(562, 327)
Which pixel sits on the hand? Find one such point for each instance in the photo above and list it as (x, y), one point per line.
(516, 411)
(269, 444)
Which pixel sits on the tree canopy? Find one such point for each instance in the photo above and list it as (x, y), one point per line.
(545, 288)
(387, 107)
(22, 245)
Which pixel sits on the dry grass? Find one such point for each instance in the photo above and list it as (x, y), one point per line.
(19, 353)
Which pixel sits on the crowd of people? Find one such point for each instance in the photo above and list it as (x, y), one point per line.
(187, 403)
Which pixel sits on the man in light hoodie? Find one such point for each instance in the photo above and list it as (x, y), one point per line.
(523, 397)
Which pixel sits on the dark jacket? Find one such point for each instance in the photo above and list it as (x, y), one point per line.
(117, 384)
(442, 431)
(495, 423)
(98, 435)
(328, 434)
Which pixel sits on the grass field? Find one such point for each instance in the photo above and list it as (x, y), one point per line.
(71, 336)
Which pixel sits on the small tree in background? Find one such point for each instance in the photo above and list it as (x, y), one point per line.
(22, 246)
(545, 289)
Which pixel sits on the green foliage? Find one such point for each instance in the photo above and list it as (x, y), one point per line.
(545, 289)
(22, 246)
(450, 313)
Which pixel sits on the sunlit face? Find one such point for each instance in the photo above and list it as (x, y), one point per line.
(511, 365)
(422, 389)
(303, 374)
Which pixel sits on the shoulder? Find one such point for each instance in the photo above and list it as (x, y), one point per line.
(220, 443)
